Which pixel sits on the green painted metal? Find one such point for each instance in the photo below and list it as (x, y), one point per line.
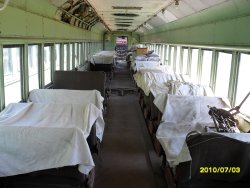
(41, 65)
(53, 61)
(1, 80)
(226, 24)
(34, 21)
(24, 73)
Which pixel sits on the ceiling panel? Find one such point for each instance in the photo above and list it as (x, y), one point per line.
(132, 14)
(148, 9)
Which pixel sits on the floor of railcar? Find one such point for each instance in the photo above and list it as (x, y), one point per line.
(127, 159)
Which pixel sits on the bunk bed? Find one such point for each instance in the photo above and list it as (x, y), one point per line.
(177, 124)
(38, 140)
(103, 61)
(79, 80)
(83, 97)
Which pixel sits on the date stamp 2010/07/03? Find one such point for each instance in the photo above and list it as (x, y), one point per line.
(221, 169)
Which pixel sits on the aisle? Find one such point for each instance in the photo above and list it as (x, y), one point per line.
(127, 153)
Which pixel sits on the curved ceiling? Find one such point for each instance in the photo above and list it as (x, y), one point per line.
(128, 15)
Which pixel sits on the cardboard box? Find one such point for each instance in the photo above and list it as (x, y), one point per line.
(142, 50)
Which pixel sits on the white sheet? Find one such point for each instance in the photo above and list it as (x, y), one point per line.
(173, 87)
(145, 81)
(138, 64)
(157, 69)
(182, 115)
(103, 57)
(63, 96)
(36, 136)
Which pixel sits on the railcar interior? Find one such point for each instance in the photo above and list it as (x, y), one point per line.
(124, 94)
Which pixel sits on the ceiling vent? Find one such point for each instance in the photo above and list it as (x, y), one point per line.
(121, 22)
(124, 19)
(126, 8)
(126, 15)
(121, 29)
(123, 25)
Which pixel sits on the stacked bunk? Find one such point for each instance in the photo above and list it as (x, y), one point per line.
(50, 140)
(194, 153)
(103, 61)
(141, 57)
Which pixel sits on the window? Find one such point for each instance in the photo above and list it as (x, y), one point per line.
(84, 52)
(162, 54)
(194, 64)
(172, 57)
(47, 65)
(12, 78)
(223, 74)
(65, 57)
(166, 55)
(57, 57)
(33, 67)
(243, 86)
(70, 56)
(185, 61)
(177, 63)
(206, 67)
(77, 54)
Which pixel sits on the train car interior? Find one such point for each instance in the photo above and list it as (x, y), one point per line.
(124, 94)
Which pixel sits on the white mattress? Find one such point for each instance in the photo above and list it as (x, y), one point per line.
(138, 64)
(182, 115)
(63, 96)
(145, 80)
(157, 69)
(103, 57)
(172, 87)
(37, 136)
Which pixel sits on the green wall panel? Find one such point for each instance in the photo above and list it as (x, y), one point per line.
(227, 24)
(34, 21)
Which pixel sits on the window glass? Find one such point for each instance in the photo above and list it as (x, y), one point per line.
(70, 56)
(223, 74)
(172, 57)
(185, 61)
(57, 57)
(65, 57)
(166, 55)
(194, 64)
(33, 67)
(12, 77)
(206, 67)
(243, 86)
(47, 65)
(177, 63)
(77, 54)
